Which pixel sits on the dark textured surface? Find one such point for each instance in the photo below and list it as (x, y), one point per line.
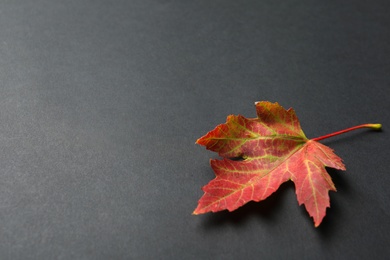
(101, 103)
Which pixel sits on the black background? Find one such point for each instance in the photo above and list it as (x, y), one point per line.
(101, 103)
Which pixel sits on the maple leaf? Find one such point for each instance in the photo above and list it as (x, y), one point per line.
(272, 149)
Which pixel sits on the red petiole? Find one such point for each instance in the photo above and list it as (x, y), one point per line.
(372, 126)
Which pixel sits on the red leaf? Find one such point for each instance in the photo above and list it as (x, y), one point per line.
(274, 150)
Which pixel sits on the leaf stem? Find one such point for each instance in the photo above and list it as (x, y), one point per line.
(372, 126)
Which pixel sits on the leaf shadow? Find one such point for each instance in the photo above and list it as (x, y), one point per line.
(334, 215)
(267, 210)
(331, 222)
(270, 211)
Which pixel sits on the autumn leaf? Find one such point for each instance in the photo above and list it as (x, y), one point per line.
(259, 154)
